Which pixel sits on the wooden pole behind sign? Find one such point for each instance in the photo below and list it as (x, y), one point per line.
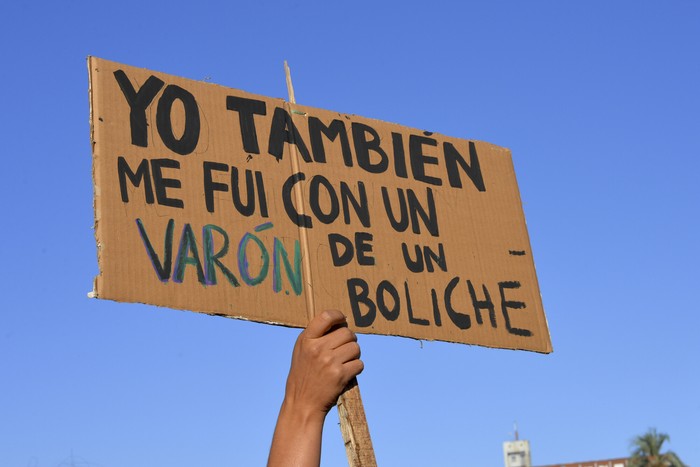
(353, 423)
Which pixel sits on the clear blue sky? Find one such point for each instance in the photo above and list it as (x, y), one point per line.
(598, 101)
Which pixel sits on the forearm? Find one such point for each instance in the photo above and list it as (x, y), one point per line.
(297, 438)
(326, 356)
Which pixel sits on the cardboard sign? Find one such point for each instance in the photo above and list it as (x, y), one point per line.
(215, 200)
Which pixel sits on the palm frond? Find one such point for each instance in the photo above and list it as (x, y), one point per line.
(646, 451)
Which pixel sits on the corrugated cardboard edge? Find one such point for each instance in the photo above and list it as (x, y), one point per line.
(95, 181)
(549, 348)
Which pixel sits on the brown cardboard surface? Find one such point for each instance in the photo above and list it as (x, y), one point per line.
(327, 188)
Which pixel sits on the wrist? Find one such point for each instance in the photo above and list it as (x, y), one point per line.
(302, 414)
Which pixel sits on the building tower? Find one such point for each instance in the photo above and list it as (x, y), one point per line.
(517, 453)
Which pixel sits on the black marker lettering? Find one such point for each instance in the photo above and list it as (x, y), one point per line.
(505, 304)
(416, 209)
(416, 265)
(190, 135)
(247, 109)
(210, 186)
(391, 314)
(437, 258)
(317, 129)
(247, 209)
(419, 159)
(162, 184)
(283, 130)
(361, 207)
(399, 155)
(138, 103)
(409, 308)
(398, 225)
(344, 258)
(436, 308)
(315, 199)
(486, 304)
(472, 169)
(262, 198)
(363, 146)
(287, 188)
(461, 320)
(143, 174)
(363, 246)
(361, 297)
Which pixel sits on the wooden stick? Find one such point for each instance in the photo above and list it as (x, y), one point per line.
(353, 423)
(290, 88)
(299, 196)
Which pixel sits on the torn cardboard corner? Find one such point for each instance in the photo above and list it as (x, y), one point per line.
(215, 200)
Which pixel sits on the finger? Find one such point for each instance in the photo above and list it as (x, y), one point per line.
(347, 352)
(338, 337)
(353, 368)
(322, 323)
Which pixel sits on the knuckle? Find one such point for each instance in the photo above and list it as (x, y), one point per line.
(347, 334)
(313, 349)
(336, 372)
(326, 359)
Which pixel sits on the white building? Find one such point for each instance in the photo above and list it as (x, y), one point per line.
(517, 453)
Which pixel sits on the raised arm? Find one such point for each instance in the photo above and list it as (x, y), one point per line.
(326, 357)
